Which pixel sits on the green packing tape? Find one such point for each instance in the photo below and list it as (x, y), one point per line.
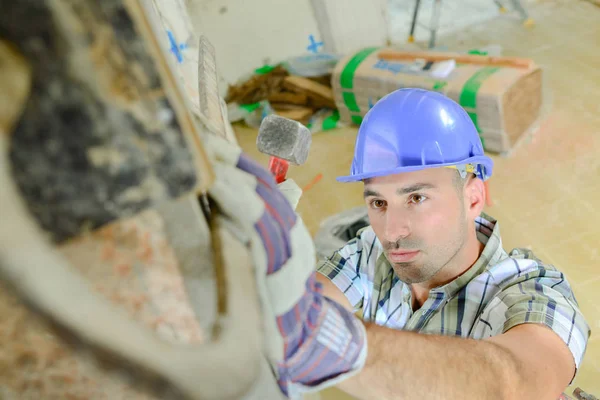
(468, 95)
(350, 101)
(265, 69)
(477, 52)
(331, 121)
(439, 85)
(250, 107)
(356, 119)
(347, 77)
(347, 81)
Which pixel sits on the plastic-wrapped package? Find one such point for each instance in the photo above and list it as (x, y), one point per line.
(338, 229)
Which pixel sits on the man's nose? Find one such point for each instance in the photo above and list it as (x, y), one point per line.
(397, 224)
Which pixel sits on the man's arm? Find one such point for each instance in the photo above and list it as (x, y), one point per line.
(528, 361)
(332, 292)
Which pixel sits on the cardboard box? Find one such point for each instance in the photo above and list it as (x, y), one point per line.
(504, 103)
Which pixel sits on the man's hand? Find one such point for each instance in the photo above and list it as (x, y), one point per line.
(331, 291)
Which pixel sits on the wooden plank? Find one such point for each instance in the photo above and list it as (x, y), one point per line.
(257, 88)
(512, 62)
(288, 98)
(320, 95)
(301, 114)
(298, 83)
(105, 132)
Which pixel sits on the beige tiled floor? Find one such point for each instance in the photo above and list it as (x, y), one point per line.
(547, 192)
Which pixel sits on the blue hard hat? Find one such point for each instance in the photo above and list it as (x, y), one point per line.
(414, 129)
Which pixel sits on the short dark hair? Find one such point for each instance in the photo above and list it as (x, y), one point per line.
(460, 182)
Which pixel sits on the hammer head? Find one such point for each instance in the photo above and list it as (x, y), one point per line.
(284, 138)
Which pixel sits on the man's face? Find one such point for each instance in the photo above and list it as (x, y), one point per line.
(419, 218)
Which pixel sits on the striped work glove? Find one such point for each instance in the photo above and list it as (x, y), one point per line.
(311, 342)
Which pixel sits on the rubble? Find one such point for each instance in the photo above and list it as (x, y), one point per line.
(318, 95)
(274, 89)
(259, 87)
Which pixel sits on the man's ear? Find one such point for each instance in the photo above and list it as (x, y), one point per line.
(474, 197)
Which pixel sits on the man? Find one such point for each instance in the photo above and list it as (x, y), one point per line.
(448, 313)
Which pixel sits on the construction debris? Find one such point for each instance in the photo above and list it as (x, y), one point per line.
(259, 87)
(319, 95)
(297, 114)
(274, 90)
(288, 98)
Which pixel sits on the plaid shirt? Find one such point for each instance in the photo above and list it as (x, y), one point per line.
(498, 292)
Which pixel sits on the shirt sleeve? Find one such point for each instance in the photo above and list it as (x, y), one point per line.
(344, 267)
(542, 296)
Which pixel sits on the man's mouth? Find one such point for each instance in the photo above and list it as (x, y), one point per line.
(399, 256)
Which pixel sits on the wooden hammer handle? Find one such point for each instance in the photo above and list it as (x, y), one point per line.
(512, 62)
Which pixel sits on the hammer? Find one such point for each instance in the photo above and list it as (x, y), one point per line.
(286, 141)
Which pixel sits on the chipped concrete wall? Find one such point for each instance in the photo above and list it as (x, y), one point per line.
(98, 139)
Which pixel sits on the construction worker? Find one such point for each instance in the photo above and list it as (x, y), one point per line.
(311, 341)
(448, 312)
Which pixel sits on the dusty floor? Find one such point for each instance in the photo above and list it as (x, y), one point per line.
(547, 192)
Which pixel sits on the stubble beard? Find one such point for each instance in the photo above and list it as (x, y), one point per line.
(435, 260)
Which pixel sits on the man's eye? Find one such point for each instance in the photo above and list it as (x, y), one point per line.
(377, 203)
(417, 198)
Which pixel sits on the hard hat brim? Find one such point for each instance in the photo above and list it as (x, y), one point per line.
(487, 163)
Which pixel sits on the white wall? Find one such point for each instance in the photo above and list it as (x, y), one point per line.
(248, 34)
(350, 25)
